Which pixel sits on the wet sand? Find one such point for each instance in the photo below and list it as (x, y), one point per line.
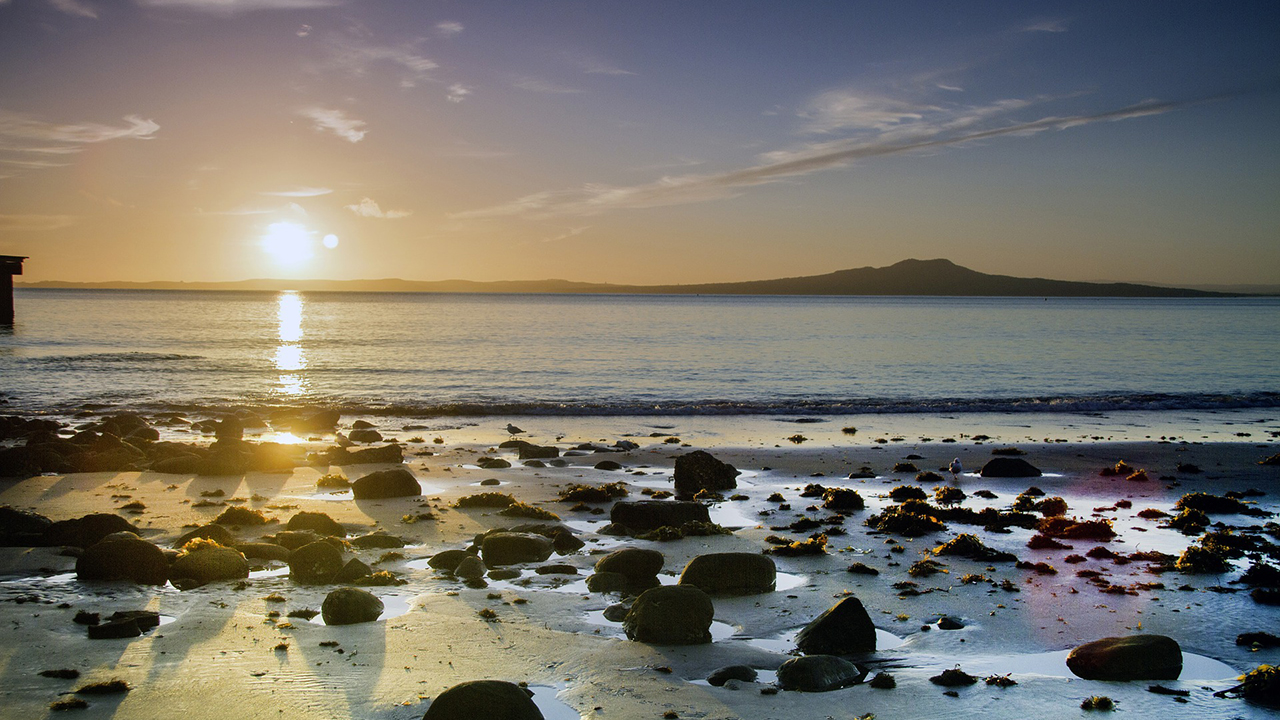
(222, 647)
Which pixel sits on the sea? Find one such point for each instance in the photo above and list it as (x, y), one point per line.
(424, 355)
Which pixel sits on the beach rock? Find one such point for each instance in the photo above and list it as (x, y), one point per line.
(818, 673)
(636, 564)
(364, 435)
(510, 548)
(316, 522)
(616, 612)
(529, 451)
(377, 541)
(1009, 467)
(843, 629)
(448, 560)
(264, 551)
(391, 453)
(720, 676)
(397, 482)
(208, 564)
(124, 557)
(19, 528)
(114, 629)
(488, 699)
(85, 531)
(185, 464)
(612, 582)
(322, 421)
(470, 568)
(1135, 657)
(355, 569)
(294, 539)
(609, 465)
(731, 573)
(216, 533)
(699, 470)
(670, 615)
(348, 606)
(315, 564)
(645, 515)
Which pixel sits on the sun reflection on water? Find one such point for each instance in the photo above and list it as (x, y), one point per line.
(289, 357)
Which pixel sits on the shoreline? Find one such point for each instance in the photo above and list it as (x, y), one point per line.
(221, 638)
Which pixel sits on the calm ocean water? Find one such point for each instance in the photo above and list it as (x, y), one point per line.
(420, 354)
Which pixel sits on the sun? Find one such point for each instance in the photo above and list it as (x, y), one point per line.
(288, 243)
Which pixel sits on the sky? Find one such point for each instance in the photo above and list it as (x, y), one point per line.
(638, 142)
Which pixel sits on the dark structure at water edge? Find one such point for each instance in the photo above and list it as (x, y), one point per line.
(10, 265)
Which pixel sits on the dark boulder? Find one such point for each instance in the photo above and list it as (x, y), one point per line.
(264, 551)
(843, 629)
(448, 560)
(612, 582)
(19, 528)
(470, 568)
(731, 573)
(364, 435)
(355, 570)
(85, 531)
(818, 673)
(322, 421)
(391, 453)
(209, 564)
(216, 533)
(317, 522)
(293, 539)
(670, 615)
(376, 541)
(636, 564)
(488, 699)
(124, 557)
(1135, 657)
(315, 564)
(644, 515)
(509, 548)
(1009, 467)
(396, 482)
(720, 676)
(698, 470)
(348, 606)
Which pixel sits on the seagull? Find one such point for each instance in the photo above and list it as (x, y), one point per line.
(513, 429)
(956, 468)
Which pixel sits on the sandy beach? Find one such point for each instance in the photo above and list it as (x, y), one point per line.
(231, 646)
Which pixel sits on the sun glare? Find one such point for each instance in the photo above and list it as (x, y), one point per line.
(288, 243)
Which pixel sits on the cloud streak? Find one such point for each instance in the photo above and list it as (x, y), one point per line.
(33, 223)
(299, 192)
(75, 7)
(368, 208)
(958, 130)
(357, 58)
(230, 7)
(337, 122)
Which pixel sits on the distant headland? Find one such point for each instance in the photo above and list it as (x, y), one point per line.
(909, 277)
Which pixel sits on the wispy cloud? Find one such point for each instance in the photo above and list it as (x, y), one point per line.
(1050, 25)
(337, 122)
(571, 232)
(79, 8)
(299, 192)
(458, 92)
(235, 6)
(544, 86)
(30, 223)
(304, 31)
(368, 208)
(847, 110)
(286, 209)
(357, 57)
(449, 28)
(25, 127)
(956, 129)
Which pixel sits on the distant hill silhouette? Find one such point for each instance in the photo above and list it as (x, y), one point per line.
(909, 277)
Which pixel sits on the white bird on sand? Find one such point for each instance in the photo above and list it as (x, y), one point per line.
(956, 468)
(513, 429)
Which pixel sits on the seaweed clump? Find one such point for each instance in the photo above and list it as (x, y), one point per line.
(902, 493)
(593, 493)
(486, 500)
(1260, 685)
(241, 516)
(912, 518)
(524, 510)
(814, 545)
(1072, 529)
(969, 546)
(1199, 561)
(1210, 504)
